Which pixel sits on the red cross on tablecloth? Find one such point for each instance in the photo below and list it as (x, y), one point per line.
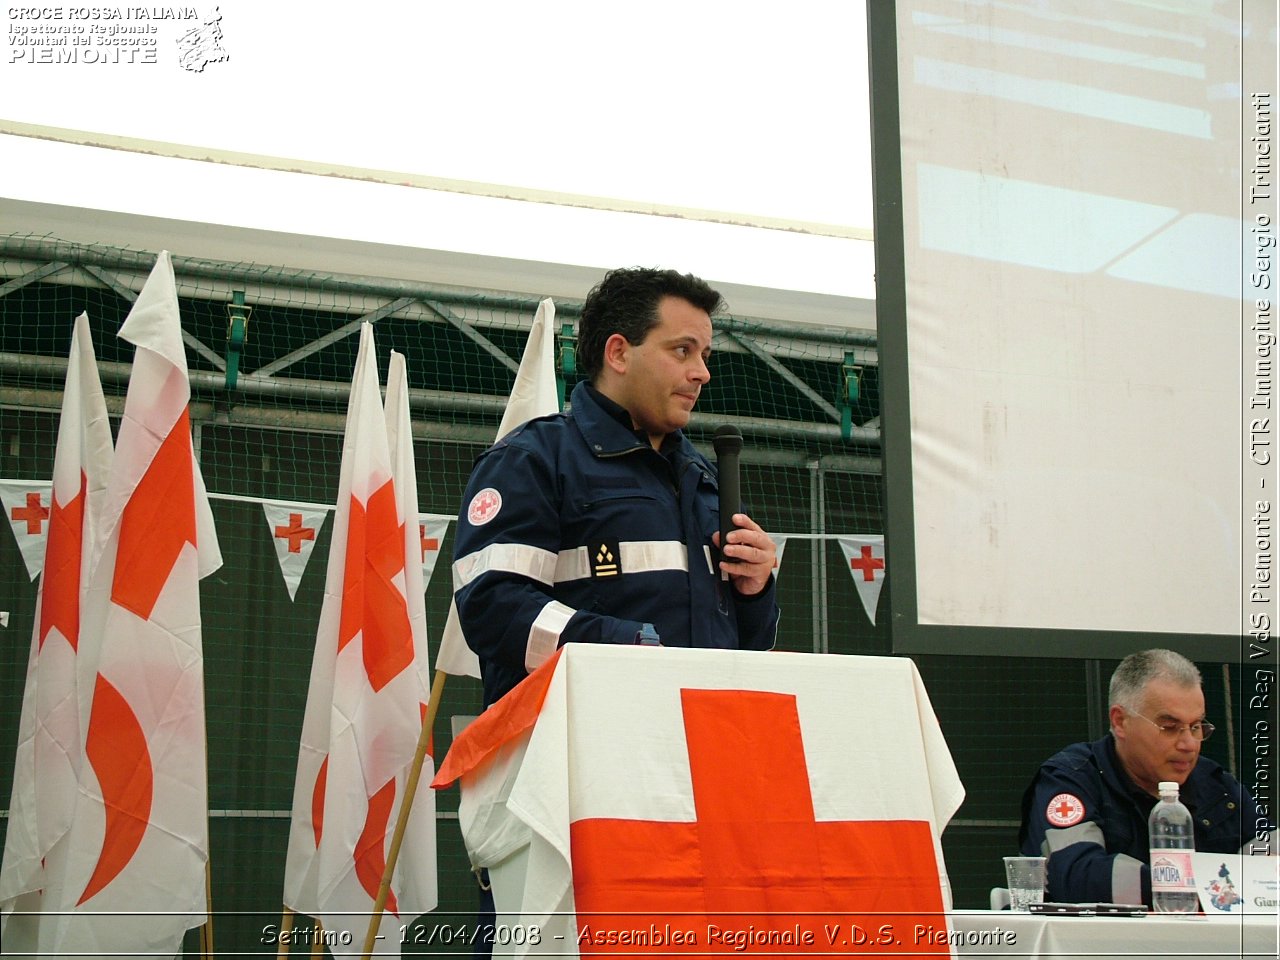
(867, 564)
(295, 533)
(34, 513)
(756, 859)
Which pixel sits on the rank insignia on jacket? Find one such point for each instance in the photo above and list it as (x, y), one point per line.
(605, 560)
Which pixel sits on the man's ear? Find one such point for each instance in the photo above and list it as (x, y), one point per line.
(617, 353)
(1116, 714)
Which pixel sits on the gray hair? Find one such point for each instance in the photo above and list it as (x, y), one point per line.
(1139, 669)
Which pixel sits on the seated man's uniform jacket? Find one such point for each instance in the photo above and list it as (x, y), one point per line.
(1084, 813)
(574, 529)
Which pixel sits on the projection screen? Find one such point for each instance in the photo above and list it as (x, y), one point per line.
(1075, 244)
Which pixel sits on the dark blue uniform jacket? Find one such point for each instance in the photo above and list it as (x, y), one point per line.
(1104, 857)
(574, 529)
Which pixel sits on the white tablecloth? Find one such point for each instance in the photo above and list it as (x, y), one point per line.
(606, 743)
(985, 933)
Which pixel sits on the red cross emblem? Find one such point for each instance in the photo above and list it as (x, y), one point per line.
(428, 543)
(372, 604)
(1064, 810)
(116, 747)
(295, 533)
(484, 507)
(867, 564)
(158, 521)
(60, 593)
(34, 513)
(756, 858)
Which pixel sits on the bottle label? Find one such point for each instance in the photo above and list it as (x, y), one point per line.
(1171, 872)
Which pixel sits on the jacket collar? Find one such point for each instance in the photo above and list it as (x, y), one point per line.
(601, 422)
(1192, 793)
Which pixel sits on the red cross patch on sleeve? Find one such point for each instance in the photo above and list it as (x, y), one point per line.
(1064, 810)
(484, 507)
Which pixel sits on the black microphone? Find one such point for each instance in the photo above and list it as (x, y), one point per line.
(727, 442)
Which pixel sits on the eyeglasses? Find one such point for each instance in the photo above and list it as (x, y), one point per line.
(1200, 730)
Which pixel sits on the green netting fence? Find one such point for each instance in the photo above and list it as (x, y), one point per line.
(271, 353)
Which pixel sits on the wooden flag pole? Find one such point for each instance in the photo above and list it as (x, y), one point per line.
(286, 927)
(406, 806)
(317, 947)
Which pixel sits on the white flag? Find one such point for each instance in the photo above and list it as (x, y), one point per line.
(532, 395)
(294, 529)
(48, 755)
(130, 877)
(26, 504)
(781, 540)
(865, 557)
(367, 692)
(414, 884)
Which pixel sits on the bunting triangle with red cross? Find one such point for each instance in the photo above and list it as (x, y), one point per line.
(294, 529)
(431, 531)
(780, 540)
(27, 507)
(865, 559)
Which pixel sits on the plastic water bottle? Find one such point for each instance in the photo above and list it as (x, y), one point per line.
(1173, 840)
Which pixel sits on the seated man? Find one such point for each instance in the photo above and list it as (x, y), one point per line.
(1087, 808)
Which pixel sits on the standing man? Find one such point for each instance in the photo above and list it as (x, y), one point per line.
(1087, 808)
(600, 524)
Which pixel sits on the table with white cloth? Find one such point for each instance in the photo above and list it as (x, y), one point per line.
(662, 800)
(1002, 933)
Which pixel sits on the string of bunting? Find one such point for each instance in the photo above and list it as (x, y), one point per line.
(294, 527)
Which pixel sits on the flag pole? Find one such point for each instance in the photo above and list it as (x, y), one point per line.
(206, 928)
(406, 806)
(286, 927)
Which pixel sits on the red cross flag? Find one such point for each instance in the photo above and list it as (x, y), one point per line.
(364, 704)
(294, 528)
(130, 875)
(532, 395)
(413, 888)
(26, 504)
(48, 755)
(708, 801)
(865, 556)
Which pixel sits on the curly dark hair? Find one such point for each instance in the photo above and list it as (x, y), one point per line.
(626, 302)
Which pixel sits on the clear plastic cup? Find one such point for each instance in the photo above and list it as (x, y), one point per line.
(1025, 876)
